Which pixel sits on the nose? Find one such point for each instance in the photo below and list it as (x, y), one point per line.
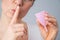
(19, 2)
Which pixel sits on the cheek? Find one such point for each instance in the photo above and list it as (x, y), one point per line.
(6, 8)
(25, 9)
(6, 5)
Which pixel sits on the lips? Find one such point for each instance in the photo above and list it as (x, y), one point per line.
(13, 10)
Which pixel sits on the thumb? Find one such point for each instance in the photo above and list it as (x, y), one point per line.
(15, 16)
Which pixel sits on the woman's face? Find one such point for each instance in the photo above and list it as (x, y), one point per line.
(9, 7)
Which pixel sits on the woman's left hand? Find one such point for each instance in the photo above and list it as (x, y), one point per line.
(51, 26)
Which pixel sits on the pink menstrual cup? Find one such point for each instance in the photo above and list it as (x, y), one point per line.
(40, 17)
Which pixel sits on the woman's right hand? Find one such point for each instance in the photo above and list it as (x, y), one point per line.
(16, 31)
(51, 26)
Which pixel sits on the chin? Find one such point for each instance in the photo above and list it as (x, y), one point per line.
(10, 15)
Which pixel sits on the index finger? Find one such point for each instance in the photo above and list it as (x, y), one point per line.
(15, 16)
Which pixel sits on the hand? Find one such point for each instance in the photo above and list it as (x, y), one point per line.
(16, 31)
(51, 26)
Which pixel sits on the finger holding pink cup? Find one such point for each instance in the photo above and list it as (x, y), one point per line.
(41, 18)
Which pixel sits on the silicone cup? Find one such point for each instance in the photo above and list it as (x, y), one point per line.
(40, 17)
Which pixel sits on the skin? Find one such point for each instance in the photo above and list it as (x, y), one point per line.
(13, 28)
(52, 27)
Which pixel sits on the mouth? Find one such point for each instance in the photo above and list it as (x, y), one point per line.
(13, 11)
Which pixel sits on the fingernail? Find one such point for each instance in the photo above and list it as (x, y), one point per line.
(46, 18)
(17, 8)
(46, 14)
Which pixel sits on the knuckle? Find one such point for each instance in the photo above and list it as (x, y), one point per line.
(55, 29)
(23, 29)
(22, 33)
(19, 33)
(21, 24)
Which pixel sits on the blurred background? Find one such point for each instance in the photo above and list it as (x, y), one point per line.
(52, 6)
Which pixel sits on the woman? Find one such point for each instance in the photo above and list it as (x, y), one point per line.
(13, 28)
